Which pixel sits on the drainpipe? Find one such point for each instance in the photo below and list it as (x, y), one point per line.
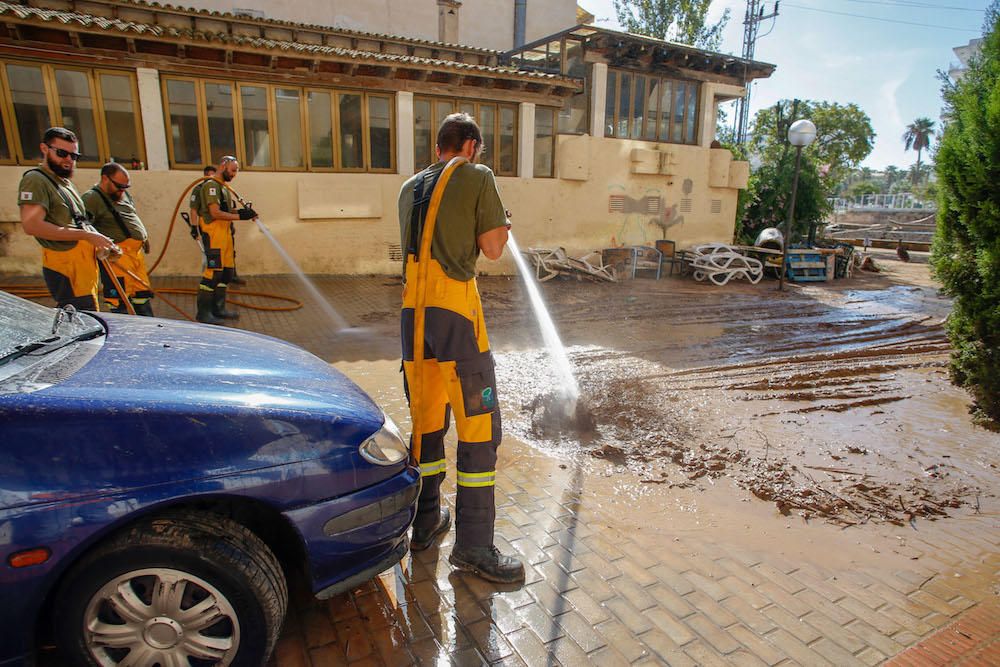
(520, 20)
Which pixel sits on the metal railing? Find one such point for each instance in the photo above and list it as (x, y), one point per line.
(899, 200)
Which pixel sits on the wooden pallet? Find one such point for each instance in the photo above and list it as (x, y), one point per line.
(805, 265)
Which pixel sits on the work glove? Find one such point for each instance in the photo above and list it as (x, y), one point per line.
(195, 233)
(247, 213)
(145, 246)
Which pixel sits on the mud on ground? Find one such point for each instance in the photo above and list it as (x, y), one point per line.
(830, 400)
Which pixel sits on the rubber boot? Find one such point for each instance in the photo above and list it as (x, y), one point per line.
(236, 280)
(205, 303)
(219, 305)
(145, 309)
(422, 539)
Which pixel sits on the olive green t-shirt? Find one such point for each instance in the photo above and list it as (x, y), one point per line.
(471, 206)
(212, 192)
(35, 188)
(104, 220)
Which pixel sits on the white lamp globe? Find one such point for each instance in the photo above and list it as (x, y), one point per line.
(802, 133)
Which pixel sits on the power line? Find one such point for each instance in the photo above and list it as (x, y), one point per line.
(878, 18)
(916, 5)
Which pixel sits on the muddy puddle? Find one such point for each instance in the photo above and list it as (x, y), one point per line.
(832, 405)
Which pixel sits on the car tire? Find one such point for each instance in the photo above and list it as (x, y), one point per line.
(177, 585)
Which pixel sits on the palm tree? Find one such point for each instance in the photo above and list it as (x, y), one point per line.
(892, 174)
(918, 137)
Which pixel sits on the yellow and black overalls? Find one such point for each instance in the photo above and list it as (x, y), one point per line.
(68, 267)
(130, 266)
(457, 377)
(217, 242)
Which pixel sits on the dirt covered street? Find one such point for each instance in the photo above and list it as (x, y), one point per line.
(831, 401)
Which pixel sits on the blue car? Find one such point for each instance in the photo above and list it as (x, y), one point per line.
(160, 481)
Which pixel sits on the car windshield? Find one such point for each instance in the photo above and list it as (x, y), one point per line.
(27, 326)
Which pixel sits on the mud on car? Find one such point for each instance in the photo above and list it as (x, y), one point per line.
(160, 482)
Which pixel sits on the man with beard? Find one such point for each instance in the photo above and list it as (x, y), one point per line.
(52, 212)
(216, 212)
(112, 210)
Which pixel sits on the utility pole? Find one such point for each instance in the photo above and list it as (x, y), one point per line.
(751, 25)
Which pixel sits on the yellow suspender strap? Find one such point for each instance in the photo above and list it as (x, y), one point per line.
(417, 376)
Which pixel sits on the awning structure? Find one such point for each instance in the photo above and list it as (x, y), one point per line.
(161, 36)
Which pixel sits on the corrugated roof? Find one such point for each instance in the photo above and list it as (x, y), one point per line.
(112, 24)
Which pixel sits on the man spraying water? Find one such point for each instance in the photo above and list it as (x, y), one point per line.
(449, 213)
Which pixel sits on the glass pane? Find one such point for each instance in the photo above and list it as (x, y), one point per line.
(637, 110)
(508, 136)
(487, 123)
(677, 135)
(320, 129)
(553, 61)
(256, 130)
(544, 141)
(423, 139)
(119, 117)
(441, 110)
(609, 105)
(468, 107)
(4, 148)
(624, 97)
(574, 59)
(666, 88)
(651, 98)
(380, 132)
(182, 107)
(76, 104)
(288, 115)
(31, 111)
(692, 113)
(221, 125)
(351, 148)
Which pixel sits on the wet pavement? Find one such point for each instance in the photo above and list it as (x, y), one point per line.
(759, 488)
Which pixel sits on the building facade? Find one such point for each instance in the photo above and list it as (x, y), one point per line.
(597, 138)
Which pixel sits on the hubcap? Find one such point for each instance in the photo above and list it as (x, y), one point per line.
(161, 616)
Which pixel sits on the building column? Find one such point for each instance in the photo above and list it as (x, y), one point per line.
(404, 133)
(526, 151)
(151, 110)
(598, 97)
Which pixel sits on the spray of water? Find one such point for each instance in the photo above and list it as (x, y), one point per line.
(569, 387)
(338, 321)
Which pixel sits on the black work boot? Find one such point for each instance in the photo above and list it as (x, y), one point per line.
(236, 280)
(423, 538)
(219, 305)
(205, 306)
(488, 563)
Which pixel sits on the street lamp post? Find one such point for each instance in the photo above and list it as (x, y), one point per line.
(800, 134)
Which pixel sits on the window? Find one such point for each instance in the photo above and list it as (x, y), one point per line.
(99, 106)
(278, 127)
(498, 123)
(545, 142)
(653, 108)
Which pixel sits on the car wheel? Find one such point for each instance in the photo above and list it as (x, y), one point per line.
(184, 589)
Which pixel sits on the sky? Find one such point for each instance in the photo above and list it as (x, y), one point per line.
(882, 55)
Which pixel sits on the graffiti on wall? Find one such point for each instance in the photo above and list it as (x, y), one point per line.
(646, 218)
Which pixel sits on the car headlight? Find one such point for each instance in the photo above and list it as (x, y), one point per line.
(385, 447)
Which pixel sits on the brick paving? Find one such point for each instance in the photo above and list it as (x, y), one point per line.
(598, 592)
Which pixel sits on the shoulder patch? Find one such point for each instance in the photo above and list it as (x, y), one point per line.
(27, 196)
(212, 191)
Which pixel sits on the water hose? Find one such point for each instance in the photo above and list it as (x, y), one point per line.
(416, 380)
(38, 292)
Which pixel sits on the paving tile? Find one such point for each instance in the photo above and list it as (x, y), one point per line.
(356, 641)
(671, 601)
(798, 651)
(558, 578)
(636, 595)
(745, 659)
(875, 638)
(374, 610)
(833, 630)
(758, 645)
(638, 573)
(704, 655)
(671, 626)
(935, 603)
(707, 586)
(900, 600)
(608, 657)
(783, 598)
(816, 583)
(619, 638)
(528, 646)
(291, 652)
(883, 623)
(597, 564)
(595, 587)
(664, 648)
(718, 638)
(818, 603)
(672, 578)
(749, 616)
(412, 623)
(792, 623)
(708, 607)
(786, 583)
(317, 628)
(551, 600)
(391, 646)
(425, 652)
(589, 608)
(746, 592)
(502, 614)
(465, 657)
(631, 617)
(566, 651)
(568, 561)
(606, 549)
(448, 632)
(329, 655)
(836, 654)
(582, 632)
(490, 640)
(870, 657)
(539, 622)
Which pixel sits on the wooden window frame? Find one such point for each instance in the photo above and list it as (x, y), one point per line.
(364, 134)
(334, 157)
(7, 110)
(199, 102)
(456, 103)
(392, 133)
(659, 81)
(303, 127)
(555, 133)
(140, 135)
(241, 152)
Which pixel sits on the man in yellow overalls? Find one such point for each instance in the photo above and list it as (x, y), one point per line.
(52, 211)
(113, 213)
(217, 212)
(457, 373)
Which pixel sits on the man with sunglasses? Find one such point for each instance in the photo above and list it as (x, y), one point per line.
(217, 212)
(457, 374)
(52, 211)
(112, 210)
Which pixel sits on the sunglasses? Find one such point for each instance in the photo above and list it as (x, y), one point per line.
(62, 152)
(120, 186)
